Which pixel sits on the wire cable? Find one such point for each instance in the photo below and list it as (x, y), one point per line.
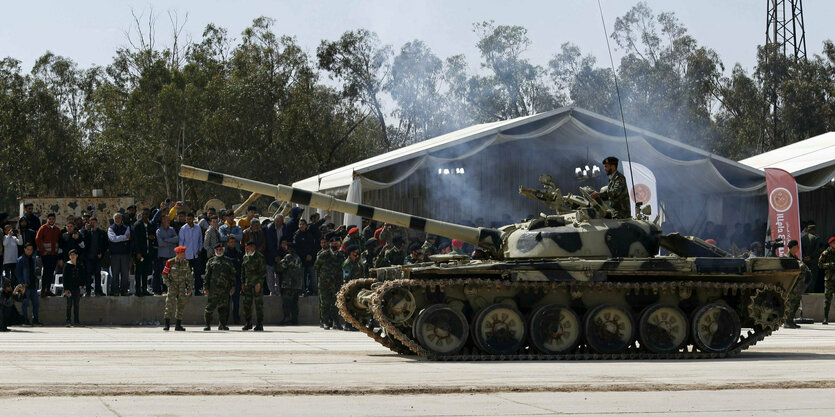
(620, 106)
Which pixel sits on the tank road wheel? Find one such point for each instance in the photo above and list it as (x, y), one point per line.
(609, 328)
(441, 329)
(555, 329)
(499, 329)
(767, 309)
(399, 305)
(662, 328)
(715, 328)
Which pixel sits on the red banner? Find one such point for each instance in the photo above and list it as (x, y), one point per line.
(783, 208)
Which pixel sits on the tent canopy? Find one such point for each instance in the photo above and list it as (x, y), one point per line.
(561, 135)
(810, 161)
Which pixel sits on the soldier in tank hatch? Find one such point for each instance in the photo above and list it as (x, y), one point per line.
(616, 192)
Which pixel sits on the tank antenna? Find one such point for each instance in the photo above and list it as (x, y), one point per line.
(620, 106)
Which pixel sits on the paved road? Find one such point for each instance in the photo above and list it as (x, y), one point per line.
(144, 371)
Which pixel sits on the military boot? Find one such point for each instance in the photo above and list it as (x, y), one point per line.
(167, 325)
(179, 327)
(259, 327)
(248, 326)
(222, 326)
(208, 326)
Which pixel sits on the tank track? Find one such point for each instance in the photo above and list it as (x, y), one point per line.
(343, 297)
(583, 353)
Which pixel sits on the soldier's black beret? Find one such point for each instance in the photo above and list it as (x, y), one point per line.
(792, 243)
(251, 207)
(444, 245)
(611, 160)
(352, 248)
(414, 246)
(291, 245)
(251, 242)
(371, 243)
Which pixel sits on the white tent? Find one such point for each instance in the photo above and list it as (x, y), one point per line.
(562, 132)
(810, 161)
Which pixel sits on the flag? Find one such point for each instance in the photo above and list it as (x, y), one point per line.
(644, 189)
(783, 208)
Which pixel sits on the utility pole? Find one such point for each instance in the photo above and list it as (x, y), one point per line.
(785, 37)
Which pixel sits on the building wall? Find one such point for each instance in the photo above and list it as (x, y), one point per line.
(63, 207)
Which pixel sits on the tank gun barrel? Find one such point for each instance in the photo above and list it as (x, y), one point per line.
(485, 238)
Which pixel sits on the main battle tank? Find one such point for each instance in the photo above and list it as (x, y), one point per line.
(576, 284)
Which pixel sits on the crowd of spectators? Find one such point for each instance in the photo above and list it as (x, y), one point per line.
(89, 256)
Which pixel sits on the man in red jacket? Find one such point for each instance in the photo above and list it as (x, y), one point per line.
(47, 240)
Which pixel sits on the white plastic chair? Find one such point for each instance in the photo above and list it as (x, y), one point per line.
(105, 282)
(57, 287)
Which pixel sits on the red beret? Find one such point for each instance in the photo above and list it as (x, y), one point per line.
(711, 241)
(353, 230)
(831, 239)
(457, 243)
(180, 249)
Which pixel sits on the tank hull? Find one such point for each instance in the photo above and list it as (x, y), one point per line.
(625, 308)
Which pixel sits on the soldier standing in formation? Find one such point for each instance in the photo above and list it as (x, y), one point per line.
(177, 276)
(368, 257)
(219, 285)
(826, 262)
(328, 268)
(395, 255)
(415, 254)
(429, 247)
(292, 283)
(811, 245)
(616, 192)
(352, 267)
(254, 278)
(798, 289)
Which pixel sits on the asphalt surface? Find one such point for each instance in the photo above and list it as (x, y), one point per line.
(126, 371)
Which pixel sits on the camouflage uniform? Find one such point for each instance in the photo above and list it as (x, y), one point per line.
(368, 258)
(176, 276)
(292, 283)
(353, 241)
(352, 269)
(328, 268)
(395, 256)
(827, 263)
(410, 260)
(799, 288)
(253, 272)
(381, 261)
(618, 195)
(429, 249)
(220, 278)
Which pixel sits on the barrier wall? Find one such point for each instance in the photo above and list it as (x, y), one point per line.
(129, 311)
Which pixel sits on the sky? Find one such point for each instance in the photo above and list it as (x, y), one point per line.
(89, 32)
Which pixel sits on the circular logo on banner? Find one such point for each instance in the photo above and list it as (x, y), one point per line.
(780, 199)
(641, 193)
